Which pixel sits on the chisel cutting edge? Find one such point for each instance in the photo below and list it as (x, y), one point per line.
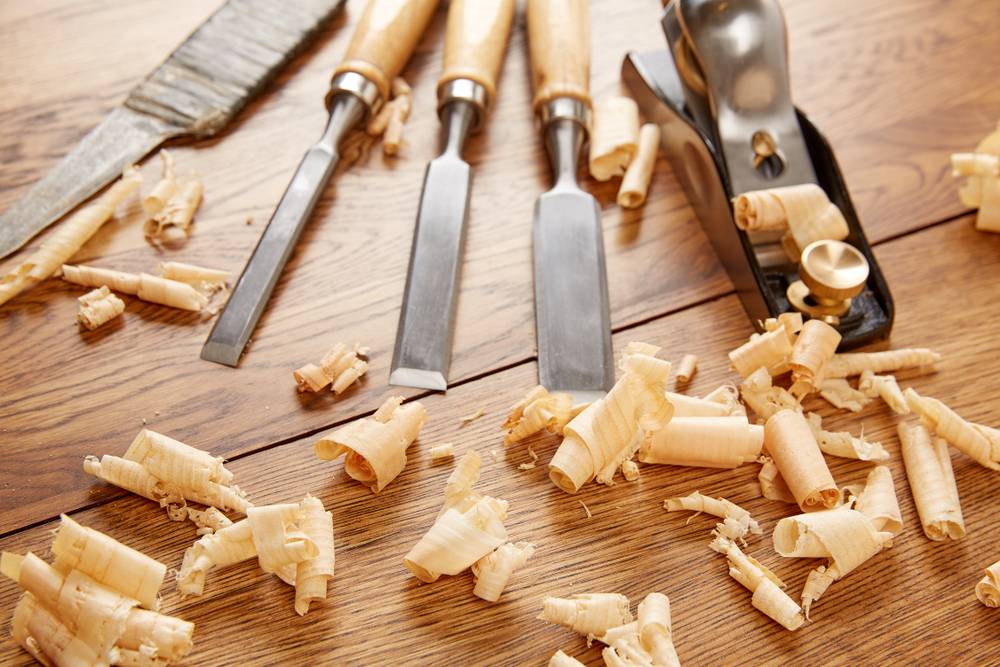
(382, 43)
(572, 321)
(474, 46)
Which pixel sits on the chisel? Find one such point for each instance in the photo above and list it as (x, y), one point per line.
(474, 47)
(572, 323)
(380, 46)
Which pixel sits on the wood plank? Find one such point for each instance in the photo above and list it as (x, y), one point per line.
(921, 592)
(346, 281)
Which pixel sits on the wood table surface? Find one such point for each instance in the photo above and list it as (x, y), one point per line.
(895, 86)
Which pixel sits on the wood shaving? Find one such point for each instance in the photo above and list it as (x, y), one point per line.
(772, 484)
(791, 322)
(468, 419)
(768, 596)
(560, 659)
(630, 471)
(609, 431)
(614, 137)
(96, 604)
(878, 501)
(982, 186)
(728, 395)
(840, 394)
(656, 630)
(339, 369)
(717, 507)
(588, 614)
(585, 509)
(375, 447)
(68, 238)
(790, 442)
(886, 388)
(846, 537)
(203, 279)
(469, 527)
(765, 399)
(804, 210)
(932, 482)
(153, 289)
(855, 363)
(635, 184)
(538, 410)
(988, 588)
(687, 368)
(390, 119)
(492, 572)
(770, 350)
(690, 406)
(843, 444)
(813, 349)
(445, 450)
(709, 442)
(178, 212)
(532, 463)
(171, 473)
(980, 443)
(164, 189)
(98, 307)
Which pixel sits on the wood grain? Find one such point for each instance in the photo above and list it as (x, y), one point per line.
(346, 281)
(912, 604)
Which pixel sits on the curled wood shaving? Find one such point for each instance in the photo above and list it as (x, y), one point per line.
(208, 520)
(170, 472)
(68, 238)
(164, 189)
(846, 537)
(635, 183)
(178, 212)
(790, 442)
(813, 349)
(84, 609)
(765, 399)
(609, 431)
(560, 659)
(772, 484)
(339, 368)
(804, 210)
(531, 464)
(932, 482)
(585, 509)
(614, 136)
(687, 368)
(980, 443)
(587, 613)
(855, 363)
(770, 350)
(226, 546)
(468, 419)
(982, 187)
(886, 388)
(878, 501)
(458, 487)
(390, 119)
(630, 471)
(710, 442)
(717, 507)
(988, 588)
(538, 410)
(840, 394)
(147, 287)
(727, 395)
(691, 406)
(791, 322)
(768, 596)
(205, 280)
(98, 307)
(843, 444)
(445, 450)
(312, 574)
(492, 572)
(375, 447)
(656, 630)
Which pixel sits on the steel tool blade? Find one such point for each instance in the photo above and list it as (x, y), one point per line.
(382, 43)
(218, 69)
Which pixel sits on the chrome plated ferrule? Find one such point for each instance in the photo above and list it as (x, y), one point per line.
(465, 90)
(358, 86)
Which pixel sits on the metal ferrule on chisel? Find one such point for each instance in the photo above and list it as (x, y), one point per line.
(564, 122)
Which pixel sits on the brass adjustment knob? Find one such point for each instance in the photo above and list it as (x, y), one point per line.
(832, 273)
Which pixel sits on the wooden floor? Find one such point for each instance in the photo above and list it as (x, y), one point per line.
(896, 87)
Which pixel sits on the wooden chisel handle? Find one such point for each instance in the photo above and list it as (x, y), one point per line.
(559, 44)
(384, 39)
(475, 41)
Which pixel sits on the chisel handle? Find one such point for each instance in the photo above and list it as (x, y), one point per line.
(384, 39)
(559, 44)
(475, 41)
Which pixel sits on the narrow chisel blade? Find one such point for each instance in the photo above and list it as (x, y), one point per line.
(572, 321)
(422, 354)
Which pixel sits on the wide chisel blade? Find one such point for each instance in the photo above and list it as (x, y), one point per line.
(422, 355)
(573, 327)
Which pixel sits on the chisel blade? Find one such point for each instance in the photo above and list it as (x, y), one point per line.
(422, 355)
(572, 321)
